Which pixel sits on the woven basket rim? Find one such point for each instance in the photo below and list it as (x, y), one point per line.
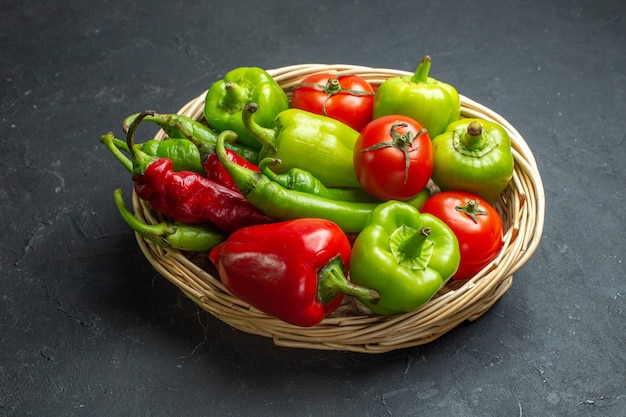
(522, 206)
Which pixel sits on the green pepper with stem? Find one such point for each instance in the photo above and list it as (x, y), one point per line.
(434, 104)
(473, 155)
(281, 203)
(183, 153)
(226, 98)
(404, 255)
(300, 139)
(301, 180)
(176, 235)
(178, 126)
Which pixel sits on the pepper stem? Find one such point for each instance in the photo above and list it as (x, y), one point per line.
(421, 73)
(234, 96)
(246, 179)
(109, 141)
(156, 233)
(332, 281)
(411, 247)
(140, 159)
(265, 136)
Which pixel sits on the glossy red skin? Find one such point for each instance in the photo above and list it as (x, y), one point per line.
(274, 267)
(353, 110)
(216, 171)
(381, 172)
(192, 198)
(479, 243)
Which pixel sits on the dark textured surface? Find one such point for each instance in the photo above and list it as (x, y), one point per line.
(88, 328)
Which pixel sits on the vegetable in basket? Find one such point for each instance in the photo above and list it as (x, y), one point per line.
(303, 181)
(178, 126)
(318, 144)
(293, 270)
(186, 196)
(393, 157)
(347, 98)
(473, 155)
(215, 171)
(476, 225)
(183, 153)
(175, 235)
(404, 255)
(226, 98)
(281, 203)
(432, 103)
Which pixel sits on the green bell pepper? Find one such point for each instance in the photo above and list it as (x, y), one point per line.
(430, 102)
(300, 139)
(226, 98)
(404, 255)
(473, 155)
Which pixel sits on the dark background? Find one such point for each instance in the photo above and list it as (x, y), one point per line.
(88, 328)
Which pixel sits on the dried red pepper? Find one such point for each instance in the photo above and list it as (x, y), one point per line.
(186, 196)
(294, 270)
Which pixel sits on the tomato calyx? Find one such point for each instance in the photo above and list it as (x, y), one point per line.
(332, 87)
(472, 210)
(402, 141)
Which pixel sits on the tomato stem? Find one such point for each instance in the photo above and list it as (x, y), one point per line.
(402, 141)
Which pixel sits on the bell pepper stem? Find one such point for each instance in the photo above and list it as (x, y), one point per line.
(421, 73)
(234, 96)
(265, 136)
(157, 233)
(332, 281)
(412, 246)
(474, 138)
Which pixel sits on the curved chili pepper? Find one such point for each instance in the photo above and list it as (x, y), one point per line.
(181, 126)
(282, 204)
(176, 235)
(183, 153)
(186, 196)
(300, 180)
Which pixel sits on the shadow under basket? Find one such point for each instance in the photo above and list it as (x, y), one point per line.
(350, 328)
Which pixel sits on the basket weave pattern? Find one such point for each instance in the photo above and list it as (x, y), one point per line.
(521, 206)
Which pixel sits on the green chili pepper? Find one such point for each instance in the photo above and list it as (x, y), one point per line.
(303, 181)
(178, 126)
(226, 98)
(473, 155)
(183, 153)
(177, 235)
(281, 203)
(432, 103)
(300, 139)
(404, 255)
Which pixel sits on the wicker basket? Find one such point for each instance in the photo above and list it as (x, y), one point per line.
(521, 205)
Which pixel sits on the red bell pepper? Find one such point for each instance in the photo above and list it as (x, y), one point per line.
(294, 270)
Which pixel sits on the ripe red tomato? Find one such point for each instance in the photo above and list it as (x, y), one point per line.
(476, 224)
(393, 157)
(347, 98)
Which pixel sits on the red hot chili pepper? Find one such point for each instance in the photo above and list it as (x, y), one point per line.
(294, 270)
(186, 196)
(215, 170)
